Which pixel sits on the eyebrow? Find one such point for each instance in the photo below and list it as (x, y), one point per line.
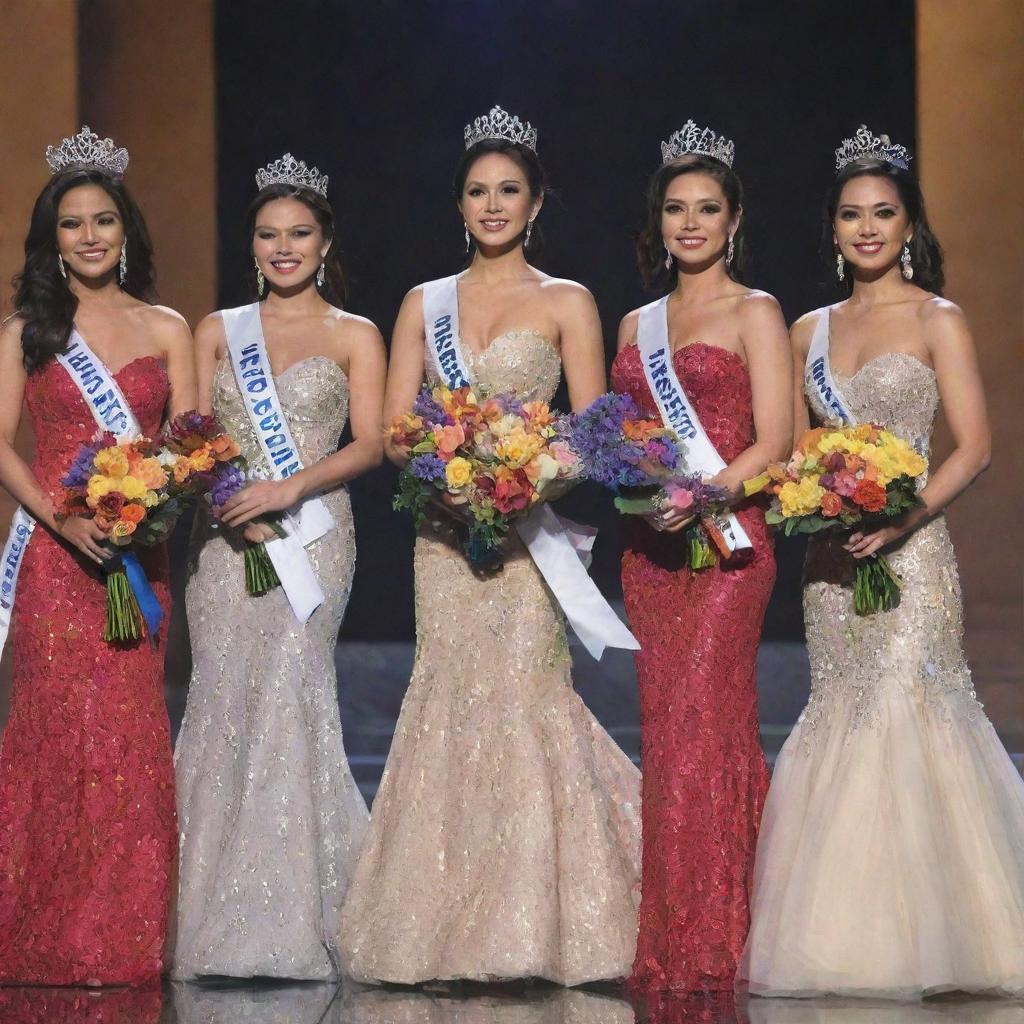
(504, 181)
(291, 227)
(856, 206)
(78, 216)
(708, 199)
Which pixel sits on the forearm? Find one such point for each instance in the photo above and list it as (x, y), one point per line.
(353, 460)
(951, 479)
(749, 463)
(19, 481)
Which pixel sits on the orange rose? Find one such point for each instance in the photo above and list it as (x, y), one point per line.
(224, 448)
(831, 505)
(132, 513)
(870, 496)
(637, 430)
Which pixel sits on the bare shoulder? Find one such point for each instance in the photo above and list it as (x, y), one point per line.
(350, 327)
(755, 306)
(938, 314)
(627, 328)
(168, 325)
(802, 329)
(566, 294)
(211, 330)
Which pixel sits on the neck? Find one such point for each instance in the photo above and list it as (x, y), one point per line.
(302, 300)
(883, 286)
(494, 265)
(96, 292)
(699, 284)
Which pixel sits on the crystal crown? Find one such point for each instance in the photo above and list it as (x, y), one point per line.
(690, 140)
(866, 146)
(289, 171)
(87, 149)
(499, 124)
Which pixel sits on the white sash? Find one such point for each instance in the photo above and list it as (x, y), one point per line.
(677, 412)
(310, 519)
(818, 373)
(559, 548)
(111, 411)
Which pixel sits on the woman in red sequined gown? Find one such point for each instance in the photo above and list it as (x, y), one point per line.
(87, 817)
(704, 774)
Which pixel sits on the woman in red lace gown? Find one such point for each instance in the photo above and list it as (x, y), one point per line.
(704, 774)
(87, 818)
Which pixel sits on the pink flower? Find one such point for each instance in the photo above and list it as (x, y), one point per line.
(679, 497)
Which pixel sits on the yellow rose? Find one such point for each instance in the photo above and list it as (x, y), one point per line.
(458, 472)
(800, 499)
(112, 462)
(121, 532)
(97, 487)
(518, 448)
(151, 473)
(133, 488)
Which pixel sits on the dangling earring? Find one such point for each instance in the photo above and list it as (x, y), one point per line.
(60, 267)
(122, 265)
(320, 274)
(668, 258)
(261, 281)
(730, 252)
(906, 267)
(468, 239)
(529, 230)
(840, 263)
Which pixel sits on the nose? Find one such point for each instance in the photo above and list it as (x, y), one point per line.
(494, 202)
(867, 227)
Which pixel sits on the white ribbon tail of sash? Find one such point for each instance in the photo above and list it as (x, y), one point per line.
(557, 547)
(818, 373)
(22, 526)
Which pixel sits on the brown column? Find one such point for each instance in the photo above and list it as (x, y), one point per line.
(970, 158)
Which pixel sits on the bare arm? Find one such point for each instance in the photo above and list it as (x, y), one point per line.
(962, 391)
(179, 356)
(210, 349)
(405, 372)
(582, 345)
(770, 363)
(800, 335)
(627, 330)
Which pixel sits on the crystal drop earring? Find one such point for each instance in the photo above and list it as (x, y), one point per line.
(906, 267)
(261, 281)
(668, 258)
(730, 252)
(468, 239)
(320, 275)
(60, 266)
(122, 265)
(840, 263)
(529, 231)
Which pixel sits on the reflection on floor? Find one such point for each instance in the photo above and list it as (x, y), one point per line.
(311, 1003)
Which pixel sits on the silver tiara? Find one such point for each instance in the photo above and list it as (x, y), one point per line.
(87, 149)
(691, 140)
(866, 146)
(289, 171)
(499, 124)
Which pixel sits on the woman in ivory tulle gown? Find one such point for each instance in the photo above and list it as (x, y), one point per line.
(504, 840)
(891, 855)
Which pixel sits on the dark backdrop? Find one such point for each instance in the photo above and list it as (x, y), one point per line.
(376, 93)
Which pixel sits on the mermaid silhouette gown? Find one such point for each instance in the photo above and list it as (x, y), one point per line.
(504, 839)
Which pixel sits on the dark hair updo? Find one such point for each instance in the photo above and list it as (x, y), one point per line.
(527, 161)
(925, 251)
(334, 289)
(42, 297)
(650, 244)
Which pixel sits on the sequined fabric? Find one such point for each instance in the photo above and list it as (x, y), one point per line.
(704, 773)
(891, 860)
(271, 819)
(87, 826)
(505, 836)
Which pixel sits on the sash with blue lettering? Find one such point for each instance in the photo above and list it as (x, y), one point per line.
(310, 519)
(441, 324)
(818, 373)
(111, 412)
(677, 411)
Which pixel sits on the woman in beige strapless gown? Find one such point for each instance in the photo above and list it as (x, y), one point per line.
(891, 854)
(504, 839)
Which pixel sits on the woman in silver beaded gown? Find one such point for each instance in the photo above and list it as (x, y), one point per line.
(891, 854)
(271, 819)
(505, 837)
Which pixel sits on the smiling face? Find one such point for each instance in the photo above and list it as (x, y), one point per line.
(90, 231)
(871, 225)
(288, 243)
(696, 221)
(496, 202)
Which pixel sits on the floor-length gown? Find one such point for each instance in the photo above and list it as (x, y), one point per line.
(271, 819)
(87, 825)
(704, 773)
(891, 860)
(504, 840)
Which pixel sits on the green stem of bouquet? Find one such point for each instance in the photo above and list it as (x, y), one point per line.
(702, 556)
(876, 588)
(260, 575)
(124, 620)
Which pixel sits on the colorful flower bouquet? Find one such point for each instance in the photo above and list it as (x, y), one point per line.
(489, 457)
(135, 492)
(842, 478)
(641, 460)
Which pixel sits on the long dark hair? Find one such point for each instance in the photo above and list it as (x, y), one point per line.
(527, 161)
(42, 297)
(334, 289)
(650, 244)
(925, 251)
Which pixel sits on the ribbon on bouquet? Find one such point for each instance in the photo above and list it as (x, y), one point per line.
(112, 413)
(559, 547)
(818, 372)
(677, 411)
(309, 519)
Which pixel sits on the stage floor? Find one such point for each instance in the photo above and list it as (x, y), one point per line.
(235, 1003)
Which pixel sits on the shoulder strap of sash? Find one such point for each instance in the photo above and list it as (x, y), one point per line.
(677, 411)
(100, 390)
(818, 371)
(248, 351)
(441, 327)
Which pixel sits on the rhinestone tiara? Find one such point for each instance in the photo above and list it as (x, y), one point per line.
(289, 171)
(864, 146)
(499, 124)
(87, 149)
(690, 140)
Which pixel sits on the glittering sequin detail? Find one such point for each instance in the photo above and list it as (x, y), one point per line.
(87, 826)
(271, 819)
(505, 834)
(704, 774)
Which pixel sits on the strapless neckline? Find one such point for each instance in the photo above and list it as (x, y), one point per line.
(511, 335)
(879, 358)
(225, 362)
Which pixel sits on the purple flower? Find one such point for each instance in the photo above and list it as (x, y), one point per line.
(427, 467)
(82, 468)
(429, 410)
(227, 481)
